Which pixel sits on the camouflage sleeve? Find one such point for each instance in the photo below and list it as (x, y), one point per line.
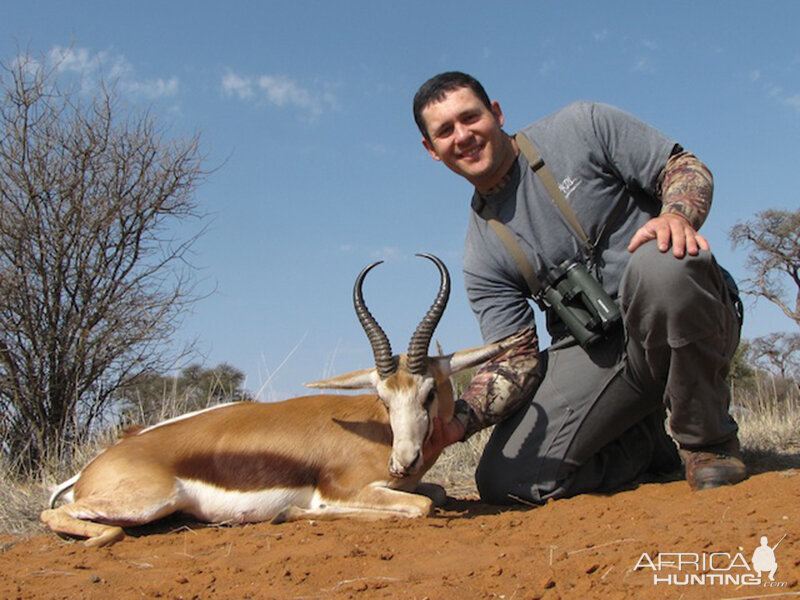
(502, 385)
(686, 187)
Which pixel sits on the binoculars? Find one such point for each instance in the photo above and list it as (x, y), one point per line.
(582, 304)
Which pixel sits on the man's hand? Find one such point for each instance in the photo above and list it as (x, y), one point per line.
(670, 230)
(442, 436)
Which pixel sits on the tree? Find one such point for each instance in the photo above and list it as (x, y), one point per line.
(150, 398)
(778, 353)
(93, 278)
(773, 239)
(742, 374)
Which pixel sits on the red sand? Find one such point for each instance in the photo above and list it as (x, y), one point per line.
(585, 547)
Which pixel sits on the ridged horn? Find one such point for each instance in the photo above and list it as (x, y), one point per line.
(421, 340)
(381, 349)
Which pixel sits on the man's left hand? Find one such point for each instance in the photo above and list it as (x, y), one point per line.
(670, 230)
(442, 436)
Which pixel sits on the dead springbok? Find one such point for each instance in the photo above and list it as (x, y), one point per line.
(316, 457)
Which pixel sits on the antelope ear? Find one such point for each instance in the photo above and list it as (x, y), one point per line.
(469, 358)
(446, 400)
(440, 369)
(356, 380)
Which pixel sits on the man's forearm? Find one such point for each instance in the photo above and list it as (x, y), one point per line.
(502, 385)
(686, 188)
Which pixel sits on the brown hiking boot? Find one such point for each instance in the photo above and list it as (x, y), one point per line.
(714, 466)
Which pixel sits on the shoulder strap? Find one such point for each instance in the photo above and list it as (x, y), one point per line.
(510, 242)
(539, 168)
(507, 237)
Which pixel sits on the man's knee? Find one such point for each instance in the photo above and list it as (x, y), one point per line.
(662, 273)
(676, 300)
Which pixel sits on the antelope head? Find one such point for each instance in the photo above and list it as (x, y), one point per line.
(414, 387)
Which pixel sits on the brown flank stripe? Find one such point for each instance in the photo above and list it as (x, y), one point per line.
(248, 472)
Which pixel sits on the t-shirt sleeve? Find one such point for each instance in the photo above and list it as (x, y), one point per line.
(635, 149)
(500, 306)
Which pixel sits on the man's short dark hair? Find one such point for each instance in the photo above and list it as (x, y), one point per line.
(437, 87)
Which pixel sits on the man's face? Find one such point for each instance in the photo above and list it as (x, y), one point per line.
(466, 136)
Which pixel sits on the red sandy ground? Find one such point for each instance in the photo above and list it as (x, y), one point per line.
(585, 547)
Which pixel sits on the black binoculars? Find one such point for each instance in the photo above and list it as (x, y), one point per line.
(582, 304)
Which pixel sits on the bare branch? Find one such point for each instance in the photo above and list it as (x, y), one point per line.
(773, 239)
(93, 281)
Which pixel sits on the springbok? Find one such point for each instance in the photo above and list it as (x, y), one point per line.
(312, 457)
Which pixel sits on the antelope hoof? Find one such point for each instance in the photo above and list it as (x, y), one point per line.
(111, 536)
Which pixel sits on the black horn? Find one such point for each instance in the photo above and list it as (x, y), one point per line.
(381, 349)
(421, 340)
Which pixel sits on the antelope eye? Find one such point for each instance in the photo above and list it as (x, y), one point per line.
(430, 398)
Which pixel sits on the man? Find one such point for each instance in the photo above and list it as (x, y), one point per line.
(576, 419)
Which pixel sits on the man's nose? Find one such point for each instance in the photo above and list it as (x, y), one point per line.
(462, 133)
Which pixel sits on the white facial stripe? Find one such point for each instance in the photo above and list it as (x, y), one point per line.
(410, 421)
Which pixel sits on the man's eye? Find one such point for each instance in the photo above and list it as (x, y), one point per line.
(444, 132)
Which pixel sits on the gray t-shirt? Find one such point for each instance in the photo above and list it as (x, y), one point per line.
(599, 155)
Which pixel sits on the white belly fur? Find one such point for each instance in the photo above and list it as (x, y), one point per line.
(216, 505)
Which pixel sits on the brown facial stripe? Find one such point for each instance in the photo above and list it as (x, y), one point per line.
(248, 472)
(399, 381)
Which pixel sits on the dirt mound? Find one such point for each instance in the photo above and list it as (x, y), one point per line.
(685, 546)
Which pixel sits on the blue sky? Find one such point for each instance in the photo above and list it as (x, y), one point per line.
(305, 108)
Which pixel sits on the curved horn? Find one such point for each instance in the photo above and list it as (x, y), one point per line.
(418, 346)
(381, 349)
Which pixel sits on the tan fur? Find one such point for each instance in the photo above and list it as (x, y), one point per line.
(318, 439)
(328, 455)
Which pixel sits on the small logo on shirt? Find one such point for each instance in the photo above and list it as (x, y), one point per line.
(568, 186)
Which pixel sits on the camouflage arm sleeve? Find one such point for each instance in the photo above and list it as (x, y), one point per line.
(686, 187)
(502, 385)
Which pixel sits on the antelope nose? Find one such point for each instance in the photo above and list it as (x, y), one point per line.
(404, 468)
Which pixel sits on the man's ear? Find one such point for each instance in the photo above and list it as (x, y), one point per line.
(498, 112)
(430, 149)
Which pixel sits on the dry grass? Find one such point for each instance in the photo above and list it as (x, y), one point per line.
(769, 425)
(21, 500)
(768, 417)
(456, 466)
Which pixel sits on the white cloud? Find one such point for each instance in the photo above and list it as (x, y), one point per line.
(376, 148)
(92, 67)
(643, 65)
(282, 91)
(233, 84)
(547, 66)
(386, 253)
(75, 60)
(600, 36)
(793, 102)
(278, 90)
(151, 89)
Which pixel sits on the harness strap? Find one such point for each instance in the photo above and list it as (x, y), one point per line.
(505, 234)
(540, 168)
(510, 242)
